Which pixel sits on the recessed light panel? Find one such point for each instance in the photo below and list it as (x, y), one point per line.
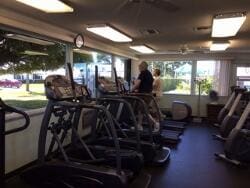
(227, 25)
(109, 33)
(142, 49)
(219, 46)
(49, 6)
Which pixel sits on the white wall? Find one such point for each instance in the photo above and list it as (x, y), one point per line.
(192, 100)
(22, 147)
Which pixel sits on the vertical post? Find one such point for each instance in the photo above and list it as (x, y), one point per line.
(127, 68)
(193, 77)
(68, 57)
(199, 100)
(112, 67)
(28, 82)
(2, 147)
(96, 81)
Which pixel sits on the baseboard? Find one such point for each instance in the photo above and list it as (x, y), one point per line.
(19, 170)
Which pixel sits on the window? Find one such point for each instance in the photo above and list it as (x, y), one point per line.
(175, 75)
(205, 72)
(84, 67)
(24, 64)
(119, 65)
(213, 76)
(243, 77)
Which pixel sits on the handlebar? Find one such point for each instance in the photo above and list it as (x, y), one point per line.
(7, 108)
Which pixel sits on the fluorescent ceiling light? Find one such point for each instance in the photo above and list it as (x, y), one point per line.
(31, 52)
(142, 49)
(219, 46)
(49, 6)
(227, 25)
(29, 39)
(109, 33)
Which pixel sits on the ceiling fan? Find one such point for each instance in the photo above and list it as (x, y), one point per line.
(184, 49)
(165, 5)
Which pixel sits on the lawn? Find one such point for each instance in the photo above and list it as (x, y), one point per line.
(22, 99)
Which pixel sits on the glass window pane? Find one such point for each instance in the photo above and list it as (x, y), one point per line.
(243, 77)
(175, 75)
(24, 64)
(205, 74)
(84, 67)
(243, 71)
(119, 65)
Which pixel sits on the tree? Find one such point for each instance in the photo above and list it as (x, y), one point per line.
(82, 58)
(103, 58)
(15, 59)
(168, 68)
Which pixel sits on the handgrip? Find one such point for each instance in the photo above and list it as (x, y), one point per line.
(72, 80)
(7, 108)
(116, 81)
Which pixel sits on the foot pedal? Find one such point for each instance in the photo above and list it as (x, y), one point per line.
(219, 137)
(231, 161)
(162, 156)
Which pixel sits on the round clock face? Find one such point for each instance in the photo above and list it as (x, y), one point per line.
(79, 41)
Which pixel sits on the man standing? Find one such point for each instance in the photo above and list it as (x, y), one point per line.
(144, 82)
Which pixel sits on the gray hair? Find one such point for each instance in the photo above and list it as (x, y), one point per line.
(143, 65)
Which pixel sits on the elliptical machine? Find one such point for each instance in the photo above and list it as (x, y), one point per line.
(237, 147)
(224, 111)
(152, 151)
(231, 119)
(58, 167)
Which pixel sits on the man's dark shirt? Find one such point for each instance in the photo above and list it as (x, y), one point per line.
(146, 85)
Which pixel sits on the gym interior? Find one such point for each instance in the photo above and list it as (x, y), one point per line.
(69, 116)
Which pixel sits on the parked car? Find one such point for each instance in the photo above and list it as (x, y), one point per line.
(10, 83)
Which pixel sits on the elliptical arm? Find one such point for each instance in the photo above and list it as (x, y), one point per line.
(14, 110)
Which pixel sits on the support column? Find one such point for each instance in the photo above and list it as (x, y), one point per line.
(112, 67)
(2, 147)
(193, 76)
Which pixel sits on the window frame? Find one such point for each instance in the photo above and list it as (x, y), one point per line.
(193, 74)
(235, 72)
(176, 60)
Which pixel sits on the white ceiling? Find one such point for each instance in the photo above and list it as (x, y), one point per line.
(175, 28)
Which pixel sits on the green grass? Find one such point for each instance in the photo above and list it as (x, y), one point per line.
(22, 99)
(29, 104)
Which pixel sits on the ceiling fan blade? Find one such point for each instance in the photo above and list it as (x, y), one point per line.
(125, 5)
(163, 4)
(168, 52)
